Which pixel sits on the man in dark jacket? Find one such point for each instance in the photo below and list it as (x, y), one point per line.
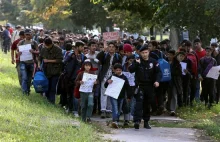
(148, 76)
(51, 57)
(72, 64)
(160, 92)
(6, 38)
(107, 60)
(206, 63)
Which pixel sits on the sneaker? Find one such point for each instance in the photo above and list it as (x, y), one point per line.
(115, 125)
(147, 125)
(172, 113)
(103, 115)
(75, 114)
(136, 125)
(126, 123)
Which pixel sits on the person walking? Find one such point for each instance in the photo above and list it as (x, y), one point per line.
(148, 76)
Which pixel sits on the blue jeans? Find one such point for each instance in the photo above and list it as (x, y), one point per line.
(116, 108)
(51, 93)
(26, 76)
(86, 105)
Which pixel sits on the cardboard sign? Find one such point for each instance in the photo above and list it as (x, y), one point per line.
(110, 36)
(88, 84)
(113, 90)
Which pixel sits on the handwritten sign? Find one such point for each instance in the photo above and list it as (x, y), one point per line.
(214, 72)
(114, 89)
(26, 54)
(88, 84)
(110, 36)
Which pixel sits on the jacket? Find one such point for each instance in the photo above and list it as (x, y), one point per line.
(53, 53)
(105, 63)
(72, 65)
(205, 65)
(176, 75)
(146, 72)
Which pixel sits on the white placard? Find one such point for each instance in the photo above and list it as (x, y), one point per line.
(183, 65)
(110, 36)
(88, 84)
(26, 54)
(114, 89)
(214, 72)
(130, 77)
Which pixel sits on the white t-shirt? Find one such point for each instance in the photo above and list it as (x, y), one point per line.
(92, 58)
(15, 36)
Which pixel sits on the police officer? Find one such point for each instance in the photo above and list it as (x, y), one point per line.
(147, 78)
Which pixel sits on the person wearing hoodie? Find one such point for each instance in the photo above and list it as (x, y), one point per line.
(117, 103)
(72, 64)
(158, 106)
(86, 101)
(127, 48)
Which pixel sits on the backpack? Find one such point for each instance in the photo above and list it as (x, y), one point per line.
(194, 63)
(40, 82)
(164, 68)
(64, 78)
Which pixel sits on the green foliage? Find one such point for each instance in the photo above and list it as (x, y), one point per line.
(32, 118)
(200, 17)
(87, 14)
(6, 12)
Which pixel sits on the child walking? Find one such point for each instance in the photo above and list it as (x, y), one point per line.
(117, 103)
(86, 98)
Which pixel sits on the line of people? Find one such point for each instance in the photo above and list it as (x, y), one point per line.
(65, 58)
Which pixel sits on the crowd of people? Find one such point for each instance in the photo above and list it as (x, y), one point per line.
(66, 57)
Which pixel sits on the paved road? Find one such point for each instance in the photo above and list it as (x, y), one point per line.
(156, 134)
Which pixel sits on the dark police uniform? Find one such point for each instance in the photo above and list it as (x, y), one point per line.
(146, 74)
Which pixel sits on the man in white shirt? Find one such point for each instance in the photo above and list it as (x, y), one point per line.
(15, 34)
(95, 64)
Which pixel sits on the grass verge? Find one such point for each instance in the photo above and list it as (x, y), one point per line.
(202, 118)
(32, 118)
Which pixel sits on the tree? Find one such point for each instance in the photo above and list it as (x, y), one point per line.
(192, 15)
(199, 17)
(87, 14)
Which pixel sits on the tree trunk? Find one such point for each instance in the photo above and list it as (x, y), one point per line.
(161, 35)
(174, 38)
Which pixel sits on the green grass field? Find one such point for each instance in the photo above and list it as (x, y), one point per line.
(32, 118)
